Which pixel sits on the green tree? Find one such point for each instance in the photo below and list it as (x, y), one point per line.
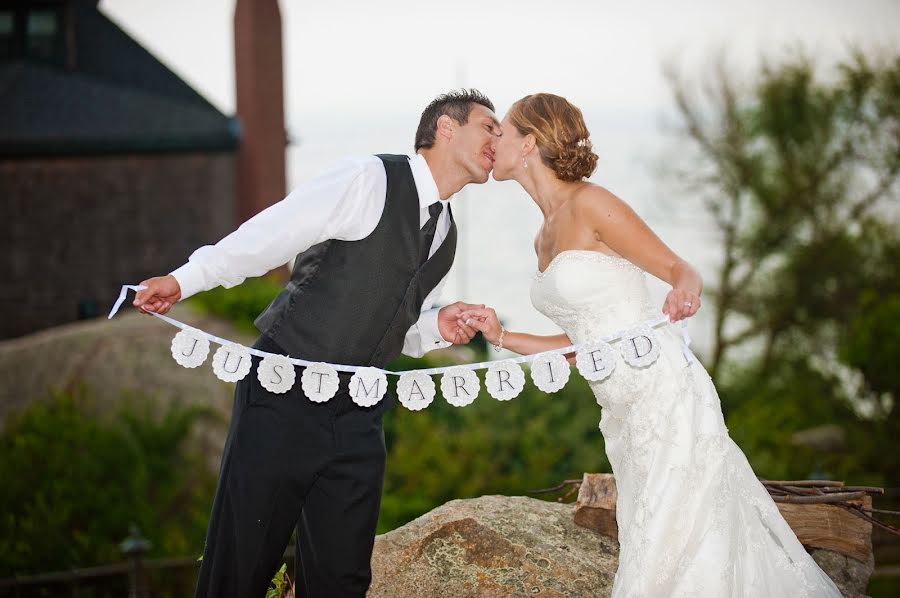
(799, 173)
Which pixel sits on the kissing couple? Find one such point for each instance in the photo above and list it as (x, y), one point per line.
(374, 239)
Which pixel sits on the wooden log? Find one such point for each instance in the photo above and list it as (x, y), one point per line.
(813, 483)
(831, 527)
(821, 525)
(595, 507)
(821, 498)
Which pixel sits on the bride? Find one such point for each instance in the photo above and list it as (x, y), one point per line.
(693, 518)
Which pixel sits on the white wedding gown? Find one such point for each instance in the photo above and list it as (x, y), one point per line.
(693, 519)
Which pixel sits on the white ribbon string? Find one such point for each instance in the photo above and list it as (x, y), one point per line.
(121, 298)
(686, 341)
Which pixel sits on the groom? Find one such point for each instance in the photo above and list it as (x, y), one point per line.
(375, 238)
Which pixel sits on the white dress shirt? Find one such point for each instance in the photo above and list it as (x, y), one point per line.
(344, 203)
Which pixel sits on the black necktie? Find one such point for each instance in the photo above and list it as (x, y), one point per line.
(430, 227)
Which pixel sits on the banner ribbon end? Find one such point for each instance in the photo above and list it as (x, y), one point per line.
(121, 299)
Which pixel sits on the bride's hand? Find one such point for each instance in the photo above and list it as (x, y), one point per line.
(680, 304)
(483, 320)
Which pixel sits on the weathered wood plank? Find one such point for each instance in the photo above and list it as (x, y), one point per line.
(595, 507)
(816, 525)
(831, 527)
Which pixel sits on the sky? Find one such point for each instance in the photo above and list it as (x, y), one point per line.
(593, 51)
(358, 73)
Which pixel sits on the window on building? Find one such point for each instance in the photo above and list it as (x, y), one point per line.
(32, 32)
(7, 34)
(44, 35)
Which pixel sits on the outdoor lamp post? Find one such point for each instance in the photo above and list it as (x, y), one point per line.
(135, 547)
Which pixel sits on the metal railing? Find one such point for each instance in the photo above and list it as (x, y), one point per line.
(109, 580)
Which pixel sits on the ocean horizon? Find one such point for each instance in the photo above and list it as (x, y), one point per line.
(495, 261)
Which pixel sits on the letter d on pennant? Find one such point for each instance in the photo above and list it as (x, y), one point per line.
(640, 347)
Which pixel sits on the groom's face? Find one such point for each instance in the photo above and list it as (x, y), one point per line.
(476, 142)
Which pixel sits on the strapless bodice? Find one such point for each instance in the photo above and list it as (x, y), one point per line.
(591, 294)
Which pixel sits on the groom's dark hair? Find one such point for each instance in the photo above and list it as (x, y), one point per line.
(456, 104)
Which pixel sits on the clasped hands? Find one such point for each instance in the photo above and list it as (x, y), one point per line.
(459, 322)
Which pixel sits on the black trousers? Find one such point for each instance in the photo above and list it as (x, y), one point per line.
(289, 462)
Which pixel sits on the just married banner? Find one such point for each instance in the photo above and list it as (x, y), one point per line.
(636, 345)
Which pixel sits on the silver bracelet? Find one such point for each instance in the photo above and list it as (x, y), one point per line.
(499, 346)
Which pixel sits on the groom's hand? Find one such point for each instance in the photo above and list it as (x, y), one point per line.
(450, 327)
(161, 294)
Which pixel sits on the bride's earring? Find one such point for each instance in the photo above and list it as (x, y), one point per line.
(524, 163)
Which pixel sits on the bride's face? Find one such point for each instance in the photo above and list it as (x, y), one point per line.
(508, 156)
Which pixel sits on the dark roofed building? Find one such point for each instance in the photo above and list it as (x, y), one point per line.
(112, 169)
(72, 82)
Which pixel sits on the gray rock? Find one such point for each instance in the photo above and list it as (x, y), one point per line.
(850, 575)
(493, 546)
(126, 358)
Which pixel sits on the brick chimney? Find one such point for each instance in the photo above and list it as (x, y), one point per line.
(260, 106)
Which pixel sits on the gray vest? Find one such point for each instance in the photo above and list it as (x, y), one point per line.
(352, 302)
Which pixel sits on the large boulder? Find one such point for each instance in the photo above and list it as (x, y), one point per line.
(126, 358)
(493, 546)
(507, 546)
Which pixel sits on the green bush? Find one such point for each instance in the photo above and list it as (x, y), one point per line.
(73, 483)
(241, 304)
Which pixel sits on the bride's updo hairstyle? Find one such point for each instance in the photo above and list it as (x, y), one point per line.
(562, 136)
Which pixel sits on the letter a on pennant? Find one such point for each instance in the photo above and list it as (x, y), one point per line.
(415, 390)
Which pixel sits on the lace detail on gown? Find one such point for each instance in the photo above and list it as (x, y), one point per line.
(693, 519)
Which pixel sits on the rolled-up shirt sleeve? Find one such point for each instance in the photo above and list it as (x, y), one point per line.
(344, 203)
(424, 335)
